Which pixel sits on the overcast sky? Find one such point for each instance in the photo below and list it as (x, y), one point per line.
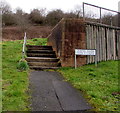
(65, 5)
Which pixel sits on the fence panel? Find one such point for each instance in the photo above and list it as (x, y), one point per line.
(105, 39)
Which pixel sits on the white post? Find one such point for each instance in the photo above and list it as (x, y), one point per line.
(96, 60)
(24, 44)
(75, 62)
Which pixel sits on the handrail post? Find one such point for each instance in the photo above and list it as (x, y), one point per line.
(83, 11)
(24, 45)
(100, 15)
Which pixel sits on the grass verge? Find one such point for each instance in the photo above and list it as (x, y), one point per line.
(98, 84)
(15, 83)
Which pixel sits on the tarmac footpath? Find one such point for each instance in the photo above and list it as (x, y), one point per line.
(50, 92)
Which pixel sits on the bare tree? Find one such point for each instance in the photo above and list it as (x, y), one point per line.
(5, 7)
(22, 20)
(78, 11)
(107, 19)
(7, 15)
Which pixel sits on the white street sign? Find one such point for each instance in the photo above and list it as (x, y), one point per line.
(85, 52)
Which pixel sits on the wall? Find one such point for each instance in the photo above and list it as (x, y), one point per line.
(71, 34)
(65, 38)
(74, 38)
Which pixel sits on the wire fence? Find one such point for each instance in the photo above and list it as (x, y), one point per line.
(101, 15)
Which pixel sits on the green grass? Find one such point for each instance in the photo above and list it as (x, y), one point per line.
(15, 82)
(37, 41)
(98, 84)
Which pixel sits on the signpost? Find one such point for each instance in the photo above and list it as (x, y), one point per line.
(85, 52)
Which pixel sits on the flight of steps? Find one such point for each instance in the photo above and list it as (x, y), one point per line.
(42, 57)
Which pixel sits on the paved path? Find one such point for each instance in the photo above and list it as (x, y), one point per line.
(51, 93)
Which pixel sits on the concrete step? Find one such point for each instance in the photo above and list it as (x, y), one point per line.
(43, 64)
(41, 55)
(32, 47)
(42, 67)
(41, 51)
(41, 59)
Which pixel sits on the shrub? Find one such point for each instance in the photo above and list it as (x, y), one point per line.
(22, 65)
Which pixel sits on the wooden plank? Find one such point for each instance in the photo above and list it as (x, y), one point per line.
(92, 46)
(104, 52)
(115, 45)
(112, 43)
(107, 31)
(94, 39)
(110, 39)
(104, 44)
(87, 36)
(102, 25)
(97, 43)
(118, 44)
(100, 43)
(107, 44)
(90, 42)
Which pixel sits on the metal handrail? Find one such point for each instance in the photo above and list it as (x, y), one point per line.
(55, 27)
(100, 8)
(24, 45)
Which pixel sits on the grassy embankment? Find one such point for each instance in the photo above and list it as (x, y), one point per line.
(98, 84)
(15, 82)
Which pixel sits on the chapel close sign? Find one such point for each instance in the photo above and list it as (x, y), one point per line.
(85, 52)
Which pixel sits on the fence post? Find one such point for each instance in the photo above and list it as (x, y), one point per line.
(75, 62)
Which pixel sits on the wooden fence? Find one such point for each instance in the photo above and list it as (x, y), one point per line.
(105, 39)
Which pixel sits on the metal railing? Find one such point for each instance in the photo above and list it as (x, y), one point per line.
(101, 15)
(24, 46)
(55, 38)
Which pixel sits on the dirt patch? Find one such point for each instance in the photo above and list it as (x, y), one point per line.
(15, 33)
